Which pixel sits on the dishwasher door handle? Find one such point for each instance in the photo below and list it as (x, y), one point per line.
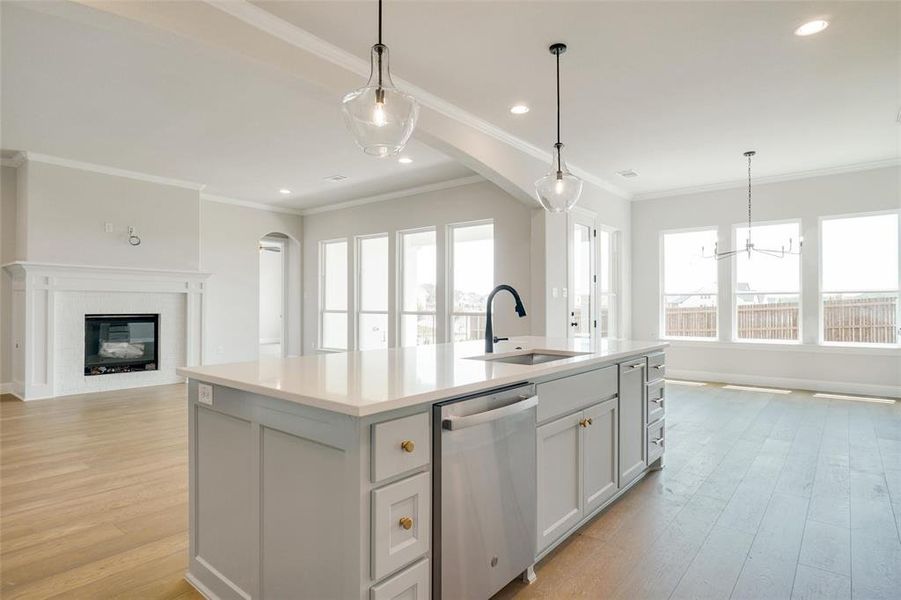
(455, 423)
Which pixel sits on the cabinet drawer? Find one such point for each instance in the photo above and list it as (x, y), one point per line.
(571, 393)
(656, 441)
(656, 366)
(401, 523)
(656, 401)
(399, 446)
(410, 584)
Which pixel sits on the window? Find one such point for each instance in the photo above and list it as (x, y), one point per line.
(607, 278)
(768, 289)
(689, 285)
(333, 295)
(372, 298)
(859, 279)
(472, 276)
(418, 265)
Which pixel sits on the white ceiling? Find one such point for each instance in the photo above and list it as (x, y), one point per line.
(87, 86)
(674, 90)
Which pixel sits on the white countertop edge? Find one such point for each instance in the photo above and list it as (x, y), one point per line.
(523, 373)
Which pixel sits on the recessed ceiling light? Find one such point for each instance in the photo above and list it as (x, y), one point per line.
(404, 160)
(284, 191)
(519, 109)
(335, 178)
(812, 27)
(628, 173)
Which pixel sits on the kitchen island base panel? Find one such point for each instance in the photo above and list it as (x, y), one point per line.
(283, 497)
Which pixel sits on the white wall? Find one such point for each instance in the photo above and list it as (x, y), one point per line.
(806, 366)
(7, 254)
(56, 214)
(66, 210)
(229, 238)
(484, 200)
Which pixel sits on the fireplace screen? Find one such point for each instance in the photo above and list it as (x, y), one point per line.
(120, 343)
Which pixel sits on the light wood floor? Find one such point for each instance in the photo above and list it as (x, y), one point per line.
(763, 497)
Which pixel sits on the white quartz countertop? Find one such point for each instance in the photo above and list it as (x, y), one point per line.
(374, 381)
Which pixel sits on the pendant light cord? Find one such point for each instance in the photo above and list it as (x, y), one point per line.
(558, 112)
(381, 47)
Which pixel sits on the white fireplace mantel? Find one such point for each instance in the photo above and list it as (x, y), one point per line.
(37, 287)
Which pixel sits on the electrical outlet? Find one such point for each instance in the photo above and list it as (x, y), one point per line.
(205, 393)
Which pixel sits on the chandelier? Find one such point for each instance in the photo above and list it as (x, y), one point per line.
(749, 245)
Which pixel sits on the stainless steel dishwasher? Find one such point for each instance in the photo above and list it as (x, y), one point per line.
(484, 513)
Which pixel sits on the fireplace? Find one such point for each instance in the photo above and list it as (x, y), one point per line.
(121, 343)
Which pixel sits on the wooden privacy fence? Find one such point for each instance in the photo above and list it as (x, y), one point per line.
(862, 320)
(858, 320)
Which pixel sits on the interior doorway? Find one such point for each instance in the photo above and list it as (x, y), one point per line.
(273, 250)
(582, 274)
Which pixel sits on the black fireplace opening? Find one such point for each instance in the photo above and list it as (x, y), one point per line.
(121, 343)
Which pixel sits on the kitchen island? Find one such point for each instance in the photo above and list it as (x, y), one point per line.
(313, 477)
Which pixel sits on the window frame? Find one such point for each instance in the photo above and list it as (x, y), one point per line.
(661, 298)
(733, 296)
(322, 281)
(358, 287)
(449, 276)
(399, 288)
(821, 293)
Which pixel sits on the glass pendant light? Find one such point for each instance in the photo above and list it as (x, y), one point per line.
(379, 116)
(559, 190)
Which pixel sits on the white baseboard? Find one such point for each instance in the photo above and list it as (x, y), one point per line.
(836, 387)
(270, 340)
(6, 388)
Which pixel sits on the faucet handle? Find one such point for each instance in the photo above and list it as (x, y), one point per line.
(500, 339)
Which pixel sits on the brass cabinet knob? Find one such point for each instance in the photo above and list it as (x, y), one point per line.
(407, 446)
(584, 422)
(406, 522)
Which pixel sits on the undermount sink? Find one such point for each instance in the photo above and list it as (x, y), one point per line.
(533, 357)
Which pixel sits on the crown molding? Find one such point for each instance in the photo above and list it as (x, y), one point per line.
(107, 170)
(421, 189)
(15, 161)
(250, 204)
(740, 183)
(300, 38)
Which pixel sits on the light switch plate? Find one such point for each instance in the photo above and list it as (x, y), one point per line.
(205, 393)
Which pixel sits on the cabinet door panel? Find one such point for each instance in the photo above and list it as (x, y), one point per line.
(632, 449)
(599, 449)
(559, 478)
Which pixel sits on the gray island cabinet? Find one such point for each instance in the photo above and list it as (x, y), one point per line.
(311, 477)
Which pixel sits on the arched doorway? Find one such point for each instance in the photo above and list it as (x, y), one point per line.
(273, 250)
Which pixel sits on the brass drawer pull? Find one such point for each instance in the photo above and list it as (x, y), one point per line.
(407, 446)
(406, 522)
